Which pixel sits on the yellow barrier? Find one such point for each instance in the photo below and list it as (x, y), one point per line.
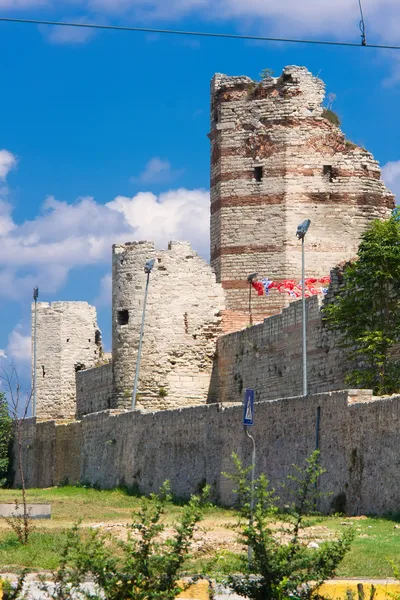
(337, 590)
(197, 591)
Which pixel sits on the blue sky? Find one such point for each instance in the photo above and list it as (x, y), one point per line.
(103, 136)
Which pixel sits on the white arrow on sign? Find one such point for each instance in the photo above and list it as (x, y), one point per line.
(249, 416)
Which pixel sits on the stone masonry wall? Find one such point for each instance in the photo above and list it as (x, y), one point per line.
(358, 440)
(268, 357)
(94, 389)
(182, 324)
(68, 339)
(275, 161)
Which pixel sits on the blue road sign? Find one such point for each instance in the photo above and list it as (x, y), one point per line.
(248, 413)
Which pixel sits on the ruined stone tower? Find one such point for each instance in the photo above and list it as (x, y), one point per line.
(182, 324)
(275, 161)
(68, 340)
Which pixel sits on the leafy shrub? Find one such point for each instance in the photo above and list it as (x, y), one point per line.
(275, 569)
(331, 116)
(365, 312)
(146, 566)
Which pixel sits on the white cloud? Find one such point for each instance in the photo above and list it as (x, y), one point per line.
(16, 4)
(157, 171)
(68, 236)
(7, 162)
(104, 297)
(175, 215)
(19, 346)
(334, 19)
(68, 35)
(391, 176)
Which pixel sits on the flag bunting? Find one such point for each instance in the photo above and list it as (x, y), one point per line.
(289, 286)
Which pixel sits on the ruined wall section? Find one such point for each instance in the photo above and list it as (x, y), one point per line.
(275, 161)
(68, 340)
(182, 325)
(358, 439)
(94, 389)
(268, 357)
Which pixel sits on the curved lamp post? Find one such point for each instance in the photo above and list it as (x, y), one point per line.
(35, 299)
(147, 269)
(301, 234)
(250, 279)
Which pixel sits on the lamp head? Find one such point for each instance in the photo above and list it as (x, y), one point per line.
(35, 293)
(251, 277)
(303, 228)
(149, 265)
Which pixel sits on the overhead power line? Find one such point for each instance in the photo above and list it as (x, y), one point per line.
(195, 33)
(362, 25)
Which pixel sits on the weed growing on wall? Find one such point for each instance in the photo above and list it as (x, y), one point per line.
(280, 565)
(331, 116)
(366, 310)
(145, 566)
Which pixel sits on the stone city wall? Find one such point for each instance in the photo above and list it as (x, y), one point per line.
(358, 439)
(68, 340)
(183, 321)
(275, 161)
(268, 357)
(94, 389)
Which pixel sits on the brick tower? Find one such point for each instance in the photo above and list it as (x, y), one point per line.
(276, 160)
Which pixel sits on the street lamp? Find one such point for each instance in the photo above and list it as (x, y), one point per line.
(147, 269)
(301, 234)
(250, 279)
(35, 299)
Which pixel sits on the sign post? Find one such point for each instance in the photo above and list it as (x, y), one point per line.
(248, 417)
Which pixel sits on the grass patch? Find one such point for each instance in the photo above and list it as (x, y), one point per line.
(218, 566)
(69, 503)
(42, 552)
(377, 540)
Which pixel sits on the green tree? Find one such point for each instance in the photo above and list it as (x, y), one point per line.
(365, 312)
(145, 566)
(280, 565)
(6, 434)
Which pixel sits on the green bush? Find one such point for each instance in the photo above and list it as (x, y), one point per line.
(145, 566)
(331, 116)
(276, 569)
(365, 312)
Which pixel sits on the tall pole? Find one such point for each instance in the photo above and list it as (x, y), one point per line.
(250, 279)
(135, 385)
(253, 467)
(35, 298)
(303, 299)
(251, 316)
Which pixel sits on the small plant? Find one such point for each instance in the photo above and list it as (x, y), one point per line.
(6, 435)
(350, 144)
(279, 569)
(127, 393)
(251, 88)
(266, 74)
(162, 392)
(146, 566)
(331, 116)
(330, 99)
(21, 524)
